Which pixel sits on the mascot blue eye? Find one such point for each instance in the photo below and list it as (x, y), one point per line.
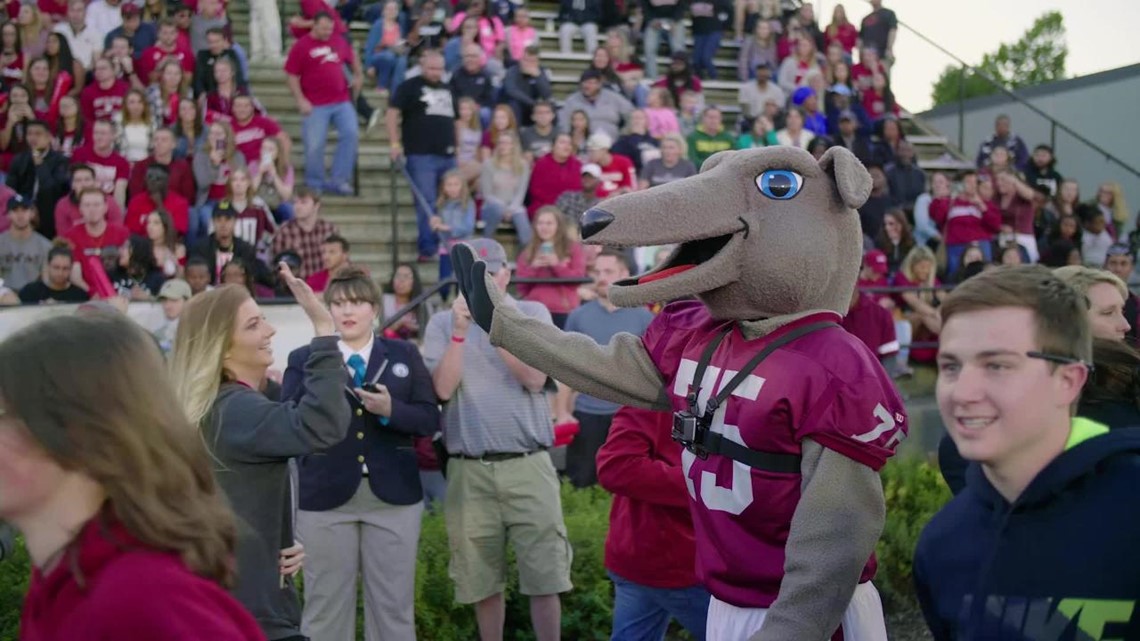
(780, 184)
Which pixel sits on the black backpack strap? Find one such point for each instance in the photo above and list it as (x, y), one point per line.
(713, 443)
(702, 365)
(746, 371)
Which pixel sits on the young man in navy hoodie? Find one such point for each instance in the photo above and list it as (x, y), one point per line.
(1037, 545)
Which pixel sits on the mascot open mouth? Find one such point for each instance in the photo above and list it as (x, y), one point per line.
(687, 256)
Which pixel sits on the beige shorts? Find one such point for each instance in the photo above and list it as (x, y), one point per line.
(488, 504)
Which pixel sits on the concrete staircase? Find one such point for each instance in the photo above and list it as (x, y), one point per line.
(366, 219)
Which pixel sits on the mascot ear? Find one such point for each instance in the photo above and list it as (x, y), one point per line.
(712, 161)
(851, 178)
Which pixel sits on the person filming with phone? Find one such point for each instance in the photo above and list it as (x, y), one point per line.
(552, 253)
(361, 501)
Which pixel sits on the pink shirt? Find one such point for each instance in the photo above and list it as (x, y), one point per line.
(518, 38)
(662, 121)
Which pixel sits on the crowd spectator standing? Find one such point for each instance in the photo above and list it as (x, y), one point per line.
(315, 73)
(497, 428)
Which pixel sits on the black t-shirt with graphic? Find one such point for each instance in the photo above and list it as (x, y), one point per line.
(428, 114)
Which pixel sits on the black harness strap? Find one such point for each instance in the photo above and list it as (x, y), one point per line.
(709, 442)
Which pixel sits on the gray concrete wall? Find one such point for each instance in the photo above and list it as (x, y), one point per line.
(1103, 108)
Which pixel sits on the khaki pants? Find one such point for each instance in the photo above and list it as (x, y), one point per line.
(489, 504)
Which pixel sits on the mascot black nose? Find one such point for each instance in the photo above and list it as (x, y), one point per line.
(594, 221)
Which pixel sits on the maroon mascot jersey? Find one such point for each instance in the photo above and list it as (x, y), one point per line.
(826, 386)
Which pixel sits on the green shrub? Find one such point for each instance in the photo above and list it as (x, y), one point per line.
(914, 492)
(14, 573)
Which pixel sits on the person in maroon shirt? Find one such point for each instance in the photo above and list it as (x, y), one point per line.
(102, 99)
(95, 244)
(650, 549)
(168, 46)
(554, 174)
(132, 557)
(1015, 201)
(181, 176)
(315, 74)
(873, 324)
(111, 169)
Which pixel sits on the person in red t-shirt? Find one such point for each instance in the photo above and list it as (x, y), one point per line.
(95, 244)
(618, 172)
(67, 214)
(650, 548)
(167, 46)
(874, 272)
(334, 257)
(103, 99)
(145, 203)
(251, 128)
(554, 174)
(111, 169)
(315, 69)
(303, 24)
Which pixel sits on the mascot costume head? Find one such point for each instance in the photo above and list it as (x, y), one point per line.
(781, 461)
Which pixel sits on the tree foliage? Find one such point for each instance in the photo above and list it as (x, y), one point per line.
(1037, 57)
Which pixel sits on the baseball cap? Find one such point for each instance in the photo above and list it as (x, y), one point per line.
(599, 140)
(224, 209)
(19, 202)
(129, 9)
(174, 289)
(840, 89)
(847, 114)
(593, 169)
(876, 260)
(489, 251)
(590, 74)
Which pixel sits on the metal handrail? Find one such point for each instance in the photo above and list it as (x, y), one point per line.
(1054, 123)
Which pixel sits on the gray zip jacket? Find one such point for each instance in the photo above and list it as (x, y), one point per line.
(252, 440)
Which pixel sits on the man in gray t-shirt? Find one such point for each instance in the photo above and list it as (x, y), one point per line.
(600, 320)
(501, 483)
(23, 252)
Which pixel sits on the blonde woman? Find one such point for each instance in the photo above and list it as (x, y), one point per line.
(1106, 295)
(111, 489)
(222, 352)
(920, 307)
(1110, 201)
(503, 184)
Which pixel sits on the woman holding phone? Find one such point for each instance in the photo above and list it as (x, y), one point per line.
(552, 253)
(127, 531)
(222, 352)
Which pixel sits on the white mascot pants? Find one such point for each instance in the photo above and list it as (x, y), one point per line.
(863, 620)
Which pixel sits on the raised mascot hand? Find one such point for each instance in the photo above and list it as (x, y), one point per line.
(471, 275)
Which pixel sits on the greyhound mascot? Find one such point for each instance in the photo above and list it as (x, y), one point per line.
(786, 418)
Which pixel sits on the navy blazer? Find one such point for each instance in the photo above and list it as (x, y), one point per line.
(330, 478)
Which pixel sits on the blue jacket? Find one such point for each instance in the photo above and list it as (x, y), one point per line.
(1060, 563)
(329, 479)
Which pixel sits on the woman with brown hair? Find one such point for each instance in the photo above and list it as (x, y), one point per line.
(222, 352)
(111, 489)
(552, 253)
(895, 239)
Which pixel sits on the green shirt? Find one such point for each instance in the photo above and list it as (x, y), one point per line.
(702, 145)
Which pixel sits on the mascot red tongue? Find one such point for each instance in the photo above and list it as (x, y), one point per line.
(663, 274)
(785, 417)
